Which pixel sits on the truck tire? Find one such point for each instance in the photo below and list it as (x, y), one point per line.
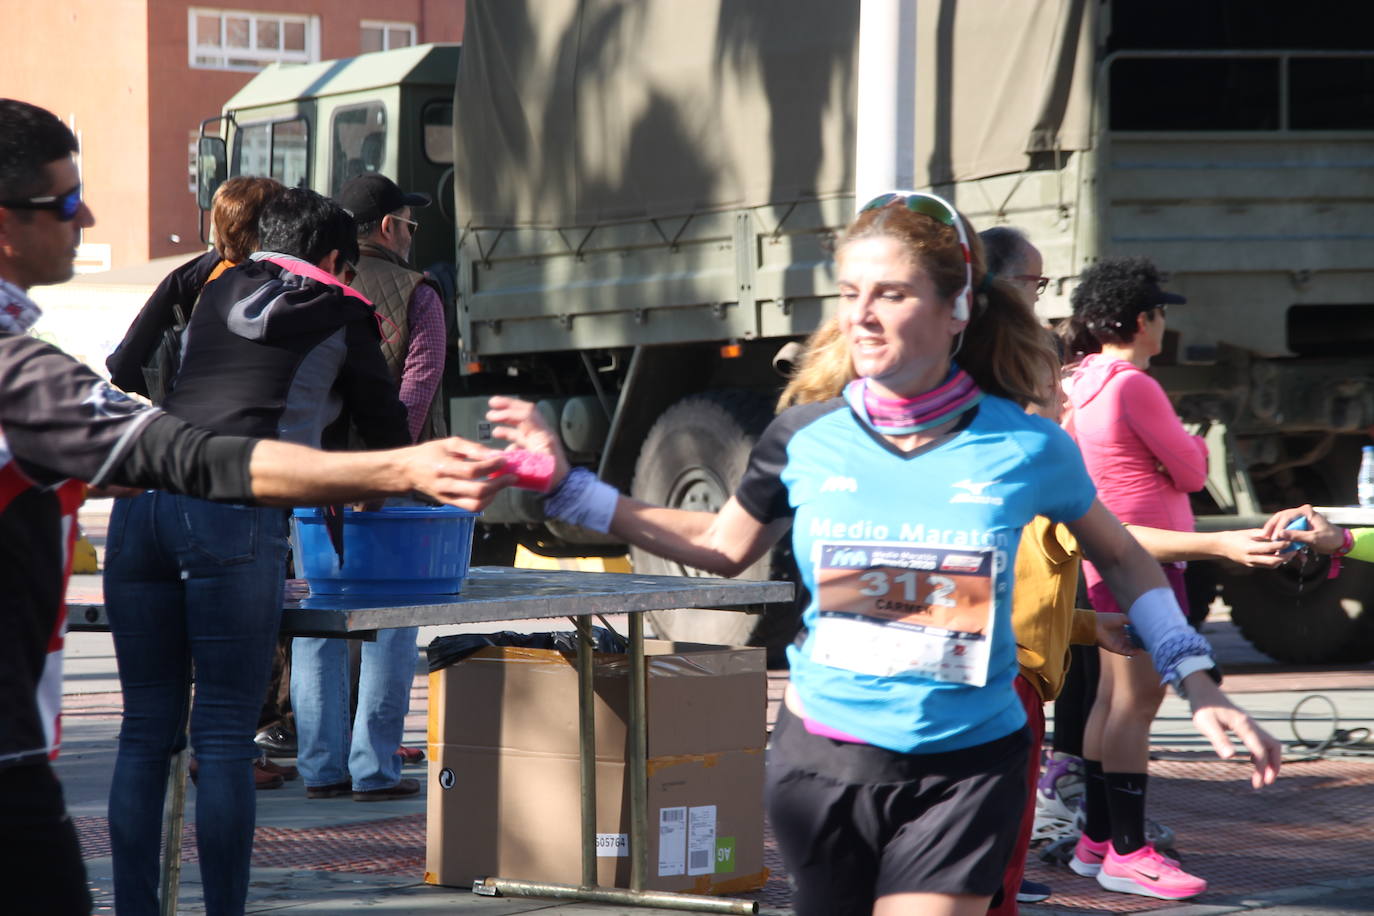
(693, 458)
(1303, 618)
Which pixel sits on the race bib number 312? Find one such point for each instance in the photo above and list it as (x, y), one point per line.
(888, 609)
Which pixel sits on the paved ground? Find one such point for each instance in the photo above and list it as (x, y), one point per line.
(1301, 847)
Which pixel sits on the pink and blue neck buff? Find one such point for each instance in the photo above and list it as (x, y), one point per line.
(903, 416)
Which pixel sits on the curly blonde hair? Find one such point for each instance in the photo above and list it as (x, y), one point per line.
(823, 370)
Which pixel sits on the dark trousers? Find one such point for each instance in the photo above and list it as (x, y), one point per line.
(276, 709)
(41, 870)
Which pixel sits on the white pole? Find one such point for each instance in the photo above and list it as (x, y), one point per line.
(885, 135)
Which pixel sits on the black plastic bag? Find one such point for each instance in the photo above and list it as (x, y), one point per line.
(444, 651)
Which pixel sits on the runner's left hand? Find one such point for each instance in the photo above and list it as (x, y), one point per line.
(1214, 715)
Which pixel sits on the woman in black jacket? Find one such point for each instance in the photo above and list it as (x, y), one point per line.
(277, 347)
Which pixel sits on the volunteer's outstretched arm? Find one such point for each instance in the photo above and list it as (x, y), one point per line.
(452, 471)
(173, 455)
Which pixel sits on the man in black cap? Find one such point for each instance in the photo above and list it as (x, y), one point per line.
(408, 301)
(367, 758)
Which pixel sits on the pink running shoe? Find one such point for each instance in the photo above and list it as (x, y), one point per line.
(1088, 855)
(1149, 874)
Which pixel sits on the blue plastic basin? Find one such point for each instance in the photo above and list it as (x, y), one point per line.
(400, 550)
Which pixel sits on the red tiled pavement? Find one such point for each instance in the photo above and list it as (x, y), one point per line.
(1313, 825)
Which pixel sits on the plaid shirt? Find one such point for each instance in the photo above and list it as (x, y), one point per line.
(424, 367)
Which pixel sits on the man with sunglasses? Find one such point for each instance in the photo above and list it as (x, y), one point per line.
(61, 427)
(413, 338)
(334, 758)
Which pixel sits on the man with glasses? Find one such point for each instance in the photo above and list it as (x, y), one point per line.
(1012, 257)
(413, 337)
(366, 759)
(61, 427)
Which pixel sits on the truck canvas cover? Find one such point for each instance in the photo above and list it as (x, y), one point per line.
(577, 112)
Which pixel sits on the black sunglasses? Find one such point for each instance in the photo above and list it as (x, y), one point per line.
(66, 204)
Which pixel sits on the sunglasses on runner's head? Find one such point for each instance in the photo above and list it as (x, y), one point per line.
(941, 211)
(66, 204)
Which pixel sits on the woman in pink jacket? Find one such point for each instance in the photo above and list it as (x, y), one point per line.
(1144, 465)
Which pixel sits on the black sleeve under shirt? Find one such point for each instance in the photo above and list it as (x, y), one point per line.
(761, 490)
(59, 421)
(173, 455)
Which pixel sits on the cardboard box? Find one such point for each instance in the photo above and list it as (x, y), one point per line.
(504, 796)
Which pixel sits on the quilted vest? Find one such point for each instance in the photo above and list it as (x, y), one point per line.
(385, 279)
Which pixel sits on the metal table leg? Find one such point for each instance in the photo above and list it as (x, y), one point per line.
(638, 764)
(586, 746)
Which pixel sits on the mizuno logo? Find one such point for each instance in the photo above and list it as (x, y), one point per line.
(840, 485)
(974, 493)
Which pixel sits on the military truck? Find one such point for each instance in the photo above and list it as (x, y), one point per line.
(639, 203)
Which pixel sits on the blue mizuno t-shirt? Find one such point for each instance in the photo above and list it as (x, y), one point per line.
(907, 560)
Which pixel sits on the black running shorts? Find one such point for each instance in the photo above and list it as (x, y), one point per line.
(856, 822)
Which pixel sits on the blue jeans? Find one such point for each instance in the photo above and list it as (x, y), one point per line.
(190, 586)
(326, 752)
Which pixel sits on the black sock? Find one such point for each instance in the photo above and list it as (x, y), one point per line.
(1097, 816)
(1075, 700)
(1126, 801)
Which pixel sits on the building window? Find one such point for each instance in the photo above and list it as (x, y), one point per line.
(384, 36)
(240, 40)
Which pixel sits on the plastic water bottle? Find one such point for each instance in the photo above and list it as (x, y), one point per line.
(1364, 484)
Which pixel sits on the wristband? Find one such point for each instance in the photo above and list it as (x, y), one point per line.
(1168, 638)
(1347, 545)
(583, 500)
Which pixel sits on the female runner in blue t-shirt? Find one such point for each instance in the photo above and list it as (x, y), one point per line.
(896, 771)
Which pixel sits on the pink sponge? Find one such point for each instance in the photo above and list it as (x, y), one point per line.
(532, 470)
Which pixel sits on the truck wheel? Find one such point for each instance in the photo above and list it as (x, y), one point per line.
(693, 458)
(1301, 617)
